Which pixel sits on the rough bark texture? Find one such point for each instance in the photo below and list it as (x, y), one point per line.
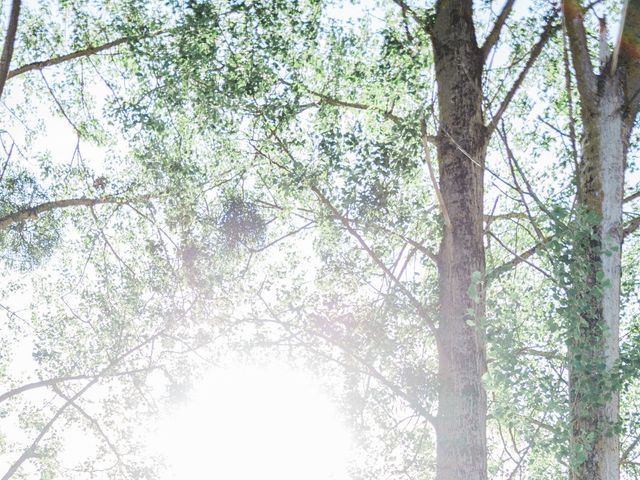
(608, 109)
(461, 421)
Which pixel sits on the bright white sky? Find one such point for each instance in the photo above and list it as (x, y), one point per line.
(241, 423)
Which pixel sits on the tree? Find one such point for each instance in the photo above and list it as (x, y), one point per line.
(43, 202)
(267, 85)
(609, 106)
(259, 127)
(462, 139)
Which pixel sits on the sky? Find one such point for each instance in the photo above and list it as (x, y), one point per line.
(246, 422)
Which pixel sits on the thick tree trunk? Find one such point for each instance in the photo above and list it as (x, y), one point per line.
(594, 325)
(461, 420)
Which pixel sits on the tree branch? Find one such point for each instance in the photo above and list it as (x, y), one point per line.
(370, 370)
(407, 9)
(419, 247)
(585, 77)
(628, 49)
(520, 258)
(85, 52)
(631, 226)
(627, 452)
(367, 368)
(549, 29)
(494, 34)
(505, 216)
(30, 450)
(9, 41)
(336, 102)
(93, 422)
(631, 197)
(34, 212)
(422, 310)
(28, 453)
(52, 382)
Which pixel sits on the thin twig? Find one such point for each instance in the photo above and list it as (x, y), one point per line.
(427, 160)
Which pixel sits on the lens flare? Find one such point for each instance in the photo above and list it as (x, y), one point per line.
(246, 423)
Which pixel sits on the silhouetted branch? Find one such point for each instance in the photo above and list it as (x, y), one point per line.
(52, 382)
(29, 452)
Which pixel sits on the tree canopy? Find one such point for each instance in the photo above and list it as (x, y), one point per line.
(431, 205)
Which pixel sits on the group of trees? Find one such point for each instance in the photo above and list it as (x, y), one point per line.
(260, 181)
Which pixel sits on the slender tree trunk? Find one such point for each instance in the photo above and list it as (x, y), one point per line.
(461, 421)
(9, 40)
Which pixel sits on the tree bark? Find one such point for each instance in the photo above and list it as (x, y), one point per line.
(9, 40)
(609, 106)
(462, 405)
(593, 333)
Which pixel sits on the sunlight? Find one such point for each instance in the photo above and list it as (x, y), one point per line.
(247, 423)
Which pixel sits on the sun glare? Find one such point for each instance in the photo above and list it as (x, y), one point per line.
(249, 423)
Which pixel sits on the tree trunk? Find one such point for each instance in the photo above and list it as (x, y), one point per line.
(593, 330)
(462, 405)
(609, 105)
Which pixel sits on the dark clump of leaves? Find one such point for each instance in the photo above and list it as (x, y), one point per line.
(241, 224)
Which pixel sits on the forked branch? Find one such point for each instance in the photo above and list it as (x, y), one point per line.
(30, 450)
(627, 51)
(422, 310)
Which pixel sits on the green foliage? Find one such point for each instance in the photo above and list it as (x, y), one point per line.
(222, 124)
